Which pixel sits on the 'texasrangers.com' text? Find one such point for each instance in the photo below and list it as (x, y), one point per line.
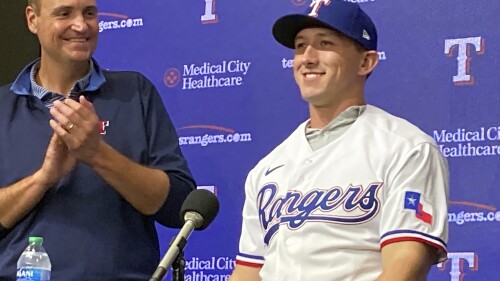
(207, 139)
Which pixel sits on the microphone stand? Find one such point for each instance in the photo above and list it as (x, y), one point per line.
(178, 267)
(176, 247)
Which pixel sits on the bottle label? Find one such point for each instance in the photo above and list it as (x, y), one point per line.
(33, 274)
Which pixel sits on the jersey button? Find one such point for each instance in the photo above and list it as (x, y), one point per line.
(309, 161)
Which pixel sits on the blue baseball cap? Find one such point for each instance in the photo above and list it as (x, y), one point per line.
(346, 17)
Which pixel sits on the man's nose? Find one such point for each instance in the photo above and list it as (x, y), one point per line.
(310, 56)
(79, 23)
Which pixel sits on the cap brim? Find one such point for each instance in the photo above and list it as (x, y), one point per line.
(286, 28)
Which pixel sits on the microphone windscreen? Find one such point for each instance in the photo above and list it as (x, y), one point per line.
(202, 202)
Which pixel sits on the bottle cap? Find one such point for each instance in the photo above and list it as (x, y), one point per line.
(36, 240)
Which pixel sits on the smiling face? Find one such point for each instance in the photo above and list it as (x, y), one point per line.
(328, 67)
(67, 29)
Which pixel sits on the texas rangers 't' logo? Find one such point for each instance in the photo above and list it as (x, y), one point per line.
(353, 206)
(315, 5)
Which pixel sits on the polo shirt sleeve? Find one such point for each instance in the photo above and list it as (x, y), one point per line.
(165, 154)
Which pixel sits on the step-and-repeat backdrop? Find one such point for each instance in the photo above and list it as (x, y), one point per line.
(229, 89)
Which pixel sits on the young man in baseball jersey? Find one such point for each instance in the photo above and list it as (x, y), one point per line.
(353, 193)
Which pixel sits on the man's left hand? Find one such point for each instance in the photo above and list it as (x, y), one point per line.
(77, 125)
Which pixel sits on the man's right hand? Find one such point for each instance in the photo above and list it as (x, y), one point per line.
(21, 197)
(57, 163)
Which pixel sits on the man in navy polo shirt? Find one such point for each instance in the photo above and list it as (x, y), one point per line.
(89, 159)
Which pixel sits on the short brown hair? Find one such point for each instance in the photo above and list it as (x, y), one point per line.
(35, 4)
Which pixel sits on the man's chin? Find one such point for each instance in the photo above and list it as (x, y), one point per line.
(311, 96)
(82, 57)
(79, 54)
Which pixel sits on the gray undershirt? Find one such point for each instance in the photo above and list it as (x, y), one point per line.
(318, 138)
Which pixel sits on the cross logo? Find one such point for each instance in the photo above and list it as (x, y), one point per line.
(315, 5)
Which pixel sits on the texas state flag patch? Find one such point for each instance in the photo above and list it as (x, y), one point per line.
(414, 202)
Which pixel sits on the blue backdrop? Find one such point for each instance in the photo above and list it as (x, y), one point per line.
(229, 89)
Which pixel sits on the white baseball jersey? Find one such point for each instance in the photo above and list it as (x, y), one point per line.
(325, 214)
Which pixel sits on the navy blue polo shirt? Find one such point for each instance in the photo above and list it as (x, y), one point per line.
(90, 232)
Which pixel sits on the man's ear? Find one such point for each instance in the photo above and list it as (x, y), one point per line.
(369, 62)
(32, 19)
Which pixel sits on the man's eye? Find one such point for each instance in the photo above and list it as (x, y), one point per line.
(299, 45)
(91, 13)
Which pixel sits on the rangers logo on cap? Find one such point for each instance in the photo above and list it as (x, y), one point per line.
(316, 4)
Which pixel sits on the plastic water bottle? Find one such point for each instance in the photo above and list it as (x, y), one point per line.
(34, 263)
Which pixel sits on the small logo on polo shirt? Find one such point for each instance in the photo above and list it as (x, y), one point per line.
(102, 126)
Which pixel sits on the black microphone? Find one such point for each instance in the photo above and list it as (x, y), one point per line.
(197, 212)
